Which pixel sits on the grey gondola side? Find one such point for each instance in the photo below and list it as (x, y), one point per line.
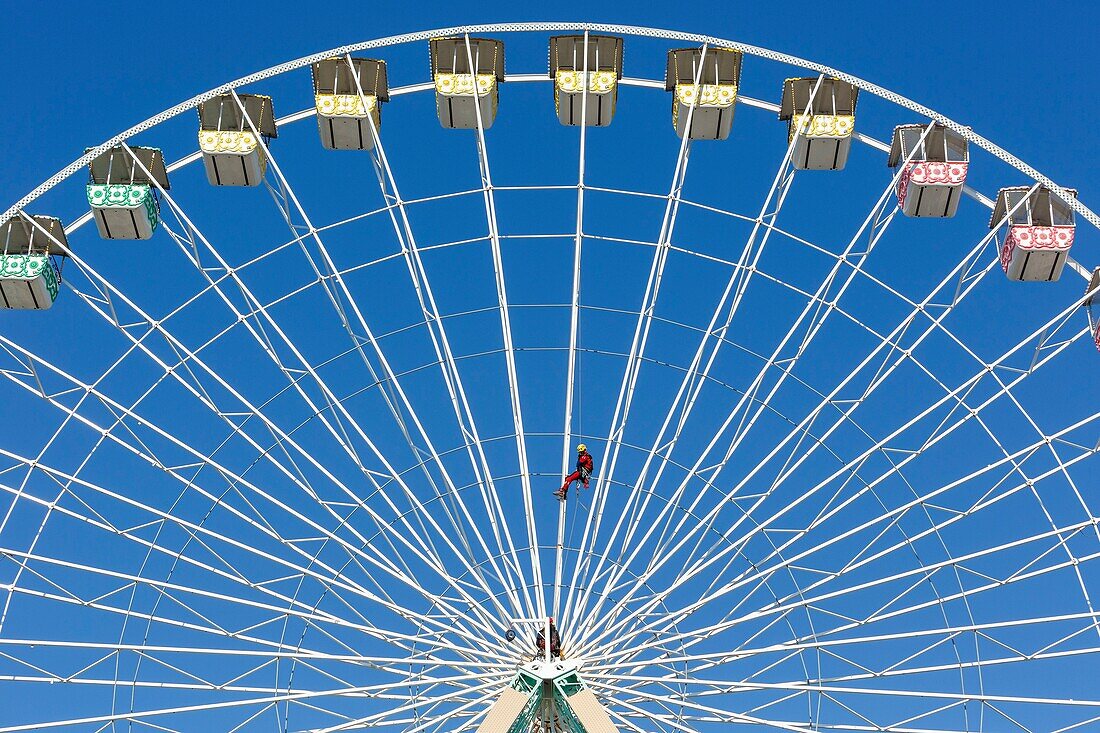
(711, 103)
(231, 152)
(1094, 289)
(465, 92)
(122, 191)
(586, 85)
(349, 96)
(1037, 235)
(820, 124)
(29, 276)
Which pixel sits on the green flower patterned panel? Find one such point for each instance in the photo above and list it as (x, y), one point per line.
(22, 267)
(29, 267)
(53, 282)
(125, 196)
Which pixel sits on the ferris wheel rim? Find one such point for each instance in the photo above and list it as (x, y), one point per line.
(531, 27)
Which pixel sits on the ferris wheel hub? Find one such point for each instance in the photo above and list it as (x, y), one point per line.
(552, 670)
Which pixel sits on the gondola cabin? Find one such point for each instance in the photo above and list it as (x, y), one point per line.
(122, 192)
(29, 276)
(349, 94)
(586, 72)
(703, 82)
(1038, 233)
(820, 123)
(231, 151)
(467, 73)
(933, 169)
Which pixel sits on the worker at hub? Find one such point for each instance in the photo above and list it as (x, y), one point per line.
(555, 641)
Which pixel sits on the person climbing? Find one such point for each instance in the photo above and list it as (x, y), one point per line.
(582, 474)
(555, 641)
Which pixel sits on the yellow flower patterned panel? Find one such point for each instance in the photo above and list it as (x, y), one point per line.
(462, 85)
(572, 82)
(711, 95)
(239, 142)
(346, 105)
(821, 125)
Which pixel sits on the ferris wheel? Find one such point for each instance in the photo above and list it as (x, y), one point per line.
(284, 445)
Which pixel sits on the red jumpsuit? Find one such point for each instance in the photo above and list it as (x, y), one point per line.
(555, 642)
(583, 472)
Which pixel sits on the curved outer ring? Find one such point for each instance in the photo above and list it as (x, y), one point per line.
(966, 132)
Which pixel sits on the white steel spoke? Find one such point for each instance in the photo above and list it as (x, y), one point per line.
(741, 274)
(723, 716)
(265, 700)
(624, 400)
(392, 380)
(806, 422)
(873, 226)
(330, 582)
(441, 345)
(693, 380)
(574, 330)
(374, 558)
(489, 200)
(284, 439)
(923, 570)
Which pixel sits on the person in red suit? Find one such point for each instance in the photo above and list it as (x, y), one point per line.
(555, 641)
(582, 474)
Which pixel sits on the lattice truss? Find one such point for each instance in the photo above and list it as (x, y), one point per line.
(289, 463)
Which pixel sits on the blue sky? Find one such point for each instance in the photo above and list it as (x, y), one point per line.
(78, 74)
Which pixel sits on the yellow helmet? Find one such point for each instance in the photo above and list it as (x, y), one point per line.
(582, 448)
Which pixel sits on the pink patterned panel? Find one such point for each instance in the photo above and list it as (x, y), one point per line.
(1031, 238)
(930, 174)
(1098, 338)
